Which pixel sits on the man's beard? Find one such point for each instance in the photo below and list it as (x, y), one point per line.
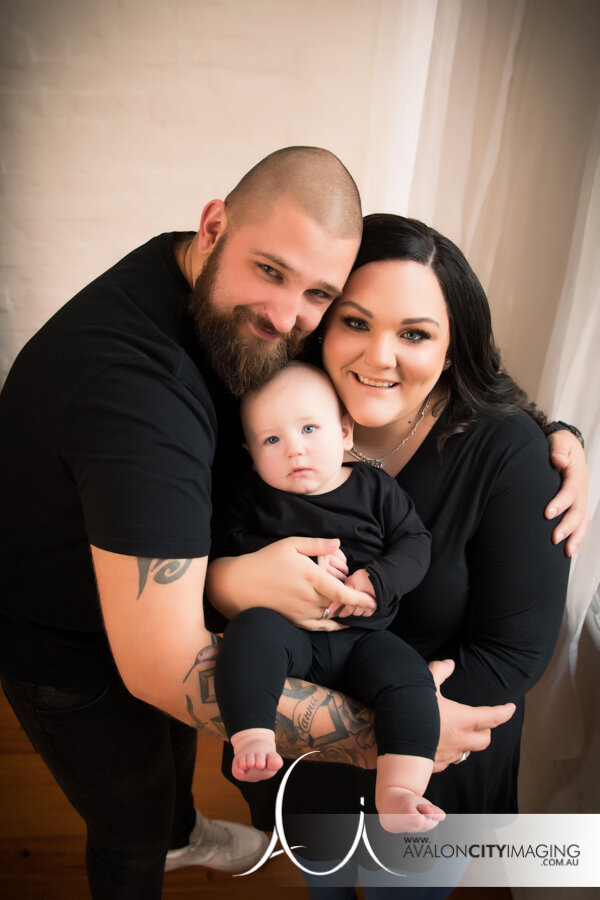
(242, 362)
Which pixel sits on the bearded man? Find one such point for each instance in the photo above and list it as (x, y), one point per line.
(114, 417)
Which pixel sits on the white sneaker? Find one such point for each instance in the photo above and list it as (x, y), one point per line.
(226, 846)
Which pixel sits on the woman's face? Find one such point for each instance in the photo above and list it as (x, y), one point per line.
(386, 341)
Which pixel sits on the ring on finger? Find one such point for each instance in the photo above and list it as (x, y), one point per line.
(463, 756)
(325, 613)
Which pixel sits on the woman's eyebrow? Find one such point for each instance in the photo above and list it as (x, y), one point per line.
(412, 321)
(357, 306)
(418, 319)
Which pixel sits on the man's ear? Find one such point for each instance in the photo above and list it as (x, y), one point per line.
(213, 223)
(347, 431)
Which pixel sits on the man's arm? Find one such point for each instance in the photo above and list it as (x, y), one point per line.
(154, 621)
(568, 456)
(155, 624)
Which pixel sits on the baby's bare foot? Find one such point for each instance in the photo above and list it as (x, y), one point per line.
(401, 810)
(256, 757)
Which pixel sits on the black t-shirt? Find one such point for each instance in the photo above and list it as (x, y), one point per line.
(109, 426)
(374, 520)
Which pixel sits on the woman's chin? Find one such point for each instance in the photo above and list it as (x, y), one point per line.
(371, 418)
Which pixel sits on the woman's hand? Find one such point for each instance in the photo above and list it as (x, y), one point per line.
(567, 455)
(462, 728)
(283, 577)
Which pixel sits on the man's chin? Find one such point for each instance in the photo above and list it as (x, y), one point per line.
(249, 367)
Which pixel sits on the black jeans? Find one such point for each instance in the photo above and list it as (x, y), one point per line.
(125, 767)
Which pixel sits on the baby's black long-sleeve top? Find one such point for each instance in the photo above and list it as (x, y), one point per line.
(373, 518)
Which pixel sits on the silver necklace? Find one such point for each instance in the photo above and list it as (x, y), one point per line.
(377, 460)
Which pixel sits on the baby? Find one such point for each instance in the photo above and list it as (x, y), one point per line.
(296, 433)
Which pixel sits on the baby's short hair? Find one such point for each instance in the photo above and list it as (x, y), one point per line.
(293, 365)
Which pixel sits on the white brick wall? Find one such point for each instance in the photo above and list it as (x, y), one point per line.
(121, 118)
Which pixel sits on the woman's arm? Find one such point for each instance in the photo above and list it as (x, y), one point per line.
(283, 577)
(517, 585)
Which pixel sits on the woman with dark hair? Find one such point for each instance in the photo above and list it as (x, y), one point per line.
(410, 350)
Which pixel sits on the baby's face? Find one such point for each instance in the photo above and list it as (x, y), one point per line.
(296, 435)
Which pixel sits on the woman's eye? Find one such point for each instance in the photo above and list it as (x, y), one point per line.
(355, 324)
(272, 440)
(415, 336)
(308, 429)
(269, 270)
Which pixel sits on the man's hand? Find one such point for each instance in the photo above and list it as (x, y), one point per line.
(283, 577)
(463, 728)
(567, 455)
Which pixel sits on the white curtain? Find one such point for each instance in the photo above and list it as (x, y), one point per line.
(490, 130)
(571, 387)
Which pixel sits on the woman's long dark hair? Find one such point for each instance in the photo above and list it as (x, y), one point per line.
(478, 385)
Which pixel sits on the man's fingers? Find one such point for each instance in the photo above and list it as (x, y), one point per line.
(574, 543)
(563, 500)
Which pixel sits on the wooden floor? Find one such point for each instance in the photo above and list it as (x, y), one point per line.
(42, 839)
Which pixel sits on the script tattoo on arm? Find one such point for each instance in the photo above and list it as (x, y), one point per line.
(336, 725)
(162, 571)
(201, 681)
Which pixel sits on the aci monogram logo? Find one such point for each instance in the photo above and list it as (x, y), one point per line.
(279, 835)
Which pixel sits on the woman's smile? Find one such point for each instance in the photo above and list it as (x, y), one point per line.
(386, 342)
(370, 382)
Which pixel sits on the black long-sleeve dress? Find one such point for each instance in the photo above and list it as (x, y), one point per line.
(492, 600)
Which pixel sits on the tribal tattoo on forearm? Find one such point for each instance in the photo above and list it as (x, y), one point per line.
(162, 571)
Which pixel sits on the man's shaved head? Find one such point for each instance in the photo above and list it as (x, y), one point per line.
(312, 178)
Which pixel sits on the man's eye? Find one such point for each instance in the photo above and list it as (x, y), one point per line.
(321, 295)
(272, 439)
(269, 270)
(308, 429)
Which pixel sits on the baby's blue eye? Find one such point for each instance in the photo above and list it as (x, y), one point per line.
(308, 429)
(272, 440)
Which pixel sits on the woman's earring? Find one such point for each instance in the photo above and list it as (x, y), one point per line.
(447, 363)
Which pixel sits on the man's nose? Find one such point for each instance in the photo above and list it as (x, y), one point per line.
(283, 312)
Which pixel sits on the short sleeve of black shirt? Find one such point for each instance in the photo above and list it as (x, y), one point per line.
(139, 445)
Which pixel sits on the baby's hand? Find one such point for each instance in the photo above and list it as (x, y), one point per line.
(360, 581)
(335, 564)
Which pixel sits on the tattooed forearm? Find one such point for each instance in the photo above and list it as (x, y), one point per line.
(339, 727)
(308, 716)
(162, 571)
(213, 725)
(200, 680)
(205, 660)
